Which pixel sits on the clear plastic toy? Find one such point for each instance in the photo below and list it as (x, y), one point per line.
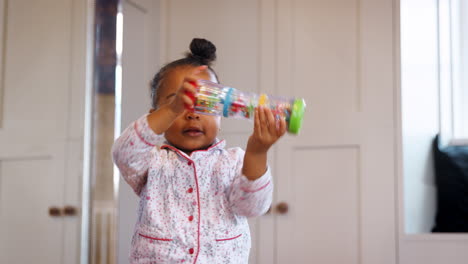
(216, 99)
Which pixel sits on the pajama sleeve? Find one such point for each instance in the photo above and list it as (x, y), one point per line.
(133, 152)
(250, 198)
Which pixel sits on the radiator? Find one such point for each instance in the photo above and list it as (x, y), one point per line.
(103, 242)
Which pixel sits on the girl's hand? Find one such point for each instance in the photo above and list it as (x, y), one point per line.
(267, 131)
(185, 95)
(175, 104)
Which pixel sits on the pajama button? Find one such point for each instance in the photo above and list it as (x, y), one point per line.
(189, 163)
(190, 190)
(190, 218)
(191, 251)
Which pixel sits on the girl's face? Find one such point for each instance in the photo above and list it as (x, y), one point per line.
(190, 131)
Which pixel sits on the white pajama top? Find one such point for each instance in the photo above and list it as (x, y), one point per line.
(193, 208)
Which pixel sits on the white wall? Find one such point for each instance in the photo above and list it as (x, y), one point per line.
(420, 115)
(295, 48)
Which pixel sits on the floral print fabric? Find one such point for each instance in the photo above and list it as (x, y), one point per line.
(193, 209)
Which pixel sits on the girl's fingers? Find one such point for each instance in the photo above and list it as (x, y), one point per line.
(189, 87)
(188, 101)
(193, 80)
(190, 92)
(262, 119)
(270, 121)
(194, 75)
(199, 69)
(282, 127)
(257, 124)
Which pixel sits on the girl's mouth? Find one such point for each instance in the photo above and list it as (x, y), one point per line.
(193, 132)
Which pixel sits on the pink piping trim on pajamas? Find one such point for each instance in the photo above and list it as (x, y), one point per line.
(209, 147)
(224, 239)
(259, 189)
(135, 126)
(176, 150)
(199, 214)
(198, 197)
(155, 238)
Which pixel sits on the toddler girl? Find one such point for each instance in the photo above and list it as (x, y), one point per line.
(195, 195)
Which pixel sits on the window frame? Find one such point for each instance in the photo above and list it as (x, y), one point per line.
(453, 71)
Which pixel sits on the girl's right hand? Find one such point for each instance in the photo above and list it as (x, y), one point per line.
(186, 94)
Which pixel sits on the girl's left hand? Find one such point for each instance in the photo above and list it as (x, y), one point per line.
(267, 130)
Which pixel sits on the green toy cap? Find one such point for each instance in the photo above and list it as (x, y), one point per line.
(297, 115)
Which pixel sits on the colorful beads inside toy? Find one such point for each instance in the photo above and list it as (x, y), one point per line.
(208, 101)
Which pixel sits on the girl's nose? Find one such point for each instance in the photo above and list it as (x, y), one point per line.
(192, 116)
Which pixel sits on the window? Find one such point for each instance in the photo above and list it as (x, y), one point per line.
(453, 70)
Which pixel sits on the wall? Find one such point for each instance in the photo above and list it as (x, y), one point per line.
(419, 123)
(296, 48)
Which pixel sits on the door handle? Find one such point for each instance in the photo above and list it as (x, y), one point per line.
(54, 211)
(70, 210)
(282, 208)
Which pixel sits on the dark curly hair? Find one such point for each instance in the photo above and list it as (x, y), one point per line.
(202, 52)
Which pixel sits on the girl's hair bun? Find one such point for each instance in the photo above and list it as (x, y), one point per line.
(203, 51)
